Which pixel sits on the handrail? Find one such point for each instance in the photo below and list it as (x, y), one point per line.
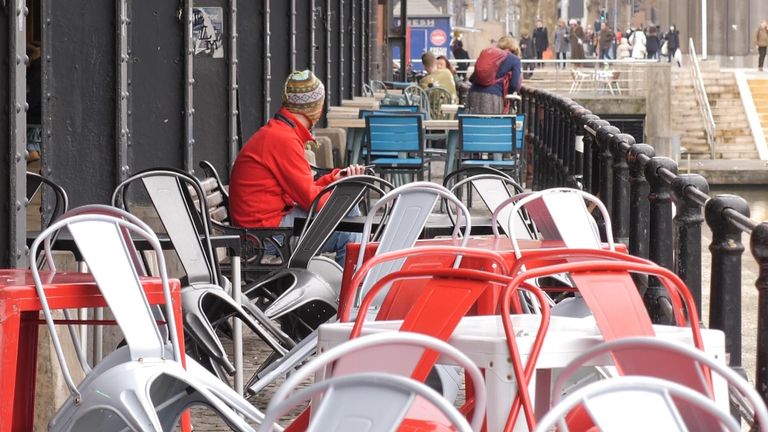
(703, 100)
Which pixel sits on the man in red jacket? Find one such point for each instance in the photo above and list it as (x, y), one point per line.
(271, 181)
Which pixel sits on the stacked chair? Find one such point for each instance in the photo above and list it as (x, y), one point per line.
(206, 303)
(144, 384)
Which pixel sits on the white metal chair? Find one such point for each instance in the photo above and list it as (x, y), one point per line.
(685, 366)
(636, 403)
(143, 385)
(377, 401)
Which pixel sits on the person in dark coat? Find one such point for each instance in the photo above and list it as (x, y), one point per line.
(459, 53)
(577, 42)
(528, 52)
(540, 39)
(652, 44)
(673, 42)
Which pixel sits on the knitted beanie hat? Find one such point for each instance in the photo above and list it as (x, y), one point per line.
(303, 93)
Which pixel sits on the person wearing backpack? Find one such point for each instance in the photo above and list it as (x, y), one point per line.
(497, 73)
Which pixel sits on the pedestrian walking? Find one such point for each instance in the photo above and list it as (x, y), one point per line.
(605, 39)
(652, 44)
(761, 40)
(638, 42)
(562, 46)
(540, 39)
(528, 52)
(673, 42)
(576, 40)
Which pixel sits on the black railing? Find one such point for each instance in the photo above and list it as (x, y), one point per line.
(570, 146)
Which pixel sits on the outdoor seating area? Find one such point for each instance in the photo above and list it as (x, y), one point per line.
(518, 311)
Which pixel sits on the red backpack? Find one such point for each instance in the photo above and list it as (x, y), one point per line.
(487, 65)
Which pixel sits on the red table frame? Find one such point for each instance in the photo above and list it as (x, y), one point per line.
(19, 327)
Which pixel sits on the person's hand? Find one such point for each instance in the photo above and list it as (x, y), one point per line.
(352, 170)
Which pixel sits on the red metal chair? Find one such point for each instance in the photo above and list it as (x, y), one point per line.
(440, 305)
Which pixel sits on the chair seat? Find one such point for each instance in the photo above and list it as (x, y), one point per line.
(410, 162)
(489, 162)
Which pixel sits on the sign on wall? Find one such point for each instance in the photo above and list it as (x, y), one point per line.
(208, 31)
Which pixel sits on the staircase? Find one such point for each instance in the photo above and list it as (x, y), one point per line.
(759, 89)
(733, 135)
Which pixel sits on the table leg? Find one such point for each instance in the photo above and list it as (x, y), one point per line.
(26, 373)
(237, 326)
(450, 157)
(9, 349)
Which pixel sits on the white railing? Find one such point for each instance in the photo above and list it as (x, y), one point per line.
(703, 100)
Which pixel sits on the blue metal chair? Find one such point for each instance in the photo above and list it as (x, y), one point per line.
(489, 141)
(401, 137)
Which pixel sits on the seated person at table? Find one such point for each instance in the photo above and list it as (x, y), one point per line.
(437, 77)
(271, 181)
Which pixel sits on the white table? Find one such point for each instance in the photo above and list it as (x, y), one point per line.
(482, 339)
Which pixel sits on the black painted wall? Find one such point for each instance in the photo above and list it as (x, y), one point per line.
(80, 91)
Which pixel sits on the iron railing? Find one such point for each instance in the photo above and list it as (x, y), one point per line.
(568, 145)
(703, 100)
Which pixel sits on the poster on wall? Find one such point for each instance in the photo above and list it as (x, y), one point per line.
(208, 31)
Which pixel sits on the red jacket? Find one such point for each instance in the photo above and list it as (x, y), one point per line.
(271, 174)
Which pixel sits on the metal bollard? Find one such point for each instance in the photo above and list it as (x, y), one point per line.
(758, 244)
(594, 157)
(688, 232)
(660, 245)
(620, 145)
(604, 136)
(639, 207)
(725, 282)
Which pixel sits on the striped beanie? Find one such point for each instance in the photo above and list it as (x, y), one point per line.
(303, 93)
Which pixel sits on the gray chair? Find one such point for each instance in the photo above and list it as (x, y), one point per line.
(365, 388)
(205, 301)
(412, 205)
(141, 386)
(310, 277)
(664, 361)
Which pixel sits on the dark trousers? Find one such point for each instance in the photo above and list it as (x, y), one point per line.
(605, 53)
(761, 56)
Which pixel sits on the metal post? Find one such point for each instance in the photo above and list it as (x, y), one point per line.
(703, 29)
(234, 139)
(619, 145)
(312, 29)
(17, 122)
(688, 233)
(725, 281)
(189, 91)
(353, 78)
(656, 297)
(121, 150)
(758, 244)
(341, 49)
(639, 207)
(268, 64)
(292, 24)
(328, 47)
